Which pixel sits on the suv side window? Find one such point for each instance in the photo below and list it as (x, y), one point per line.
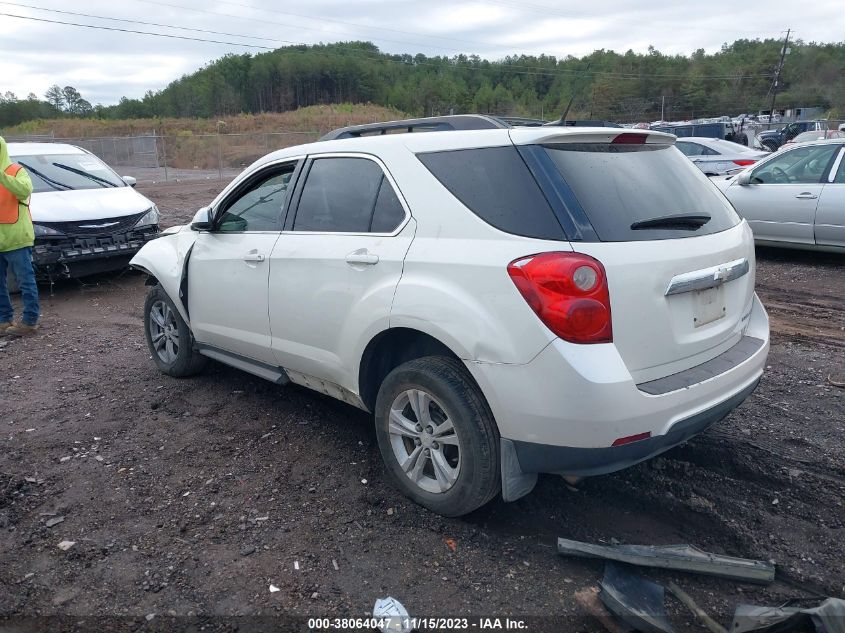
(388, 213)
(347, 195)
(497, 186)
(258, 208)
(800, 165)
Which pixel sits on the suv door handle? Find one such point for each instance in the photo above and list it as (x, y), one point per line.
(806, 196)
(252, 256)
(362, 257)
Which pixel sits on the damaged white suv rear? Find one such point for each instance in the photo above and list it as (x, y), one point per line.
(505, 301)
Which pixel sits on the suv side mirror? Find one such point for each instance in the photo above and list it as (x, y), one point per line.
(130, 180)
(203, 220)
(744, 178)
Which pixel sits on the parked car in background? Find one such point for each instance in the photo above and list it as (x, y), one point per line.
(773, 139)
(814, 135)
(795, 197)
(506, 301)
(742, 132)
(87, 219)
(717, 157)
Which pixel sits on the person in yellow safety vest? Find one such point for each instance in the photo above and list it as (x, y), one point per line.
(17, 238)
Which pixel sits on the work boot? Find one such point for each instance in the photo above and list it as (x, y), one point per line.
(5, 325)
(21, 329)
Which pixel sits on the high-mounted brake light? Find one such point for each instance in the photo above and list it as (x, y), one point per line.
(629, 138)
(744, 162)
(569, 292)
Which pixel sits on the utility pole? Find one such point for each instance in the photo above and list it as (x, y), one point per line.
(662, 107)
(777, 75)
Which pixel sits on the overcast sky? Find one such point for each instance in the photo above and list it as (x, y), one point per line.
(106, 65)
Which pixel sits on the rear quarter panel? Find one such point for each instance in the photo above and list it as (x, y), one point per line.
(455, 285)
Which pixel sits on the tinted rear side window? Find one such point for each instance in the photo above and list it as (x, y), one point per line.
(338, 196)
(495, 184)
(618, 185)
(388, 214)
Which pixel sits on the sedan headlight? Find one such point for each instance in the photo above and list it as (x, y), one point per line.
(150, 218)
(46, 231)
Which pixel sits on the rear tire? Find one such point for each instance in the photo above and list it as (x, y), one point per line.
(169, 338)
(437, 436)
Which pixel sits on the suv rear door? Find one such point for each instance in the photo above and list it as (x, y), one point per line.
(335, 268)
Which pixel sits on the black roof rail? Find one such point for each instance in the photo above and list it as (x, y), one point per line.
(582, 123)
(521, 121)
(428, 124)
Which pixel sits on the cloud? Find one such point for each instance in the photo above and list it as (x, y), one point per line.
(106, 65)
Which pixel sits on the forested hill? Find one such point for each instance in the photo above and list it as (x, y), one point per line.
(605, 84)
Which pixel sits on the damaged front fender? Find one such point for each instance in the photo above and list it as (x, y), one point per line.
(166, 259)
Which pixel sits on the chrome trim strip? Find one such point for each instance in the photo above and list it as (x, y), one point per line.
(708, 277)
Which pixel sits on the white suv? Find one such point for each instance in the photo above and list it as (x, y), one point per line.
(505, 301)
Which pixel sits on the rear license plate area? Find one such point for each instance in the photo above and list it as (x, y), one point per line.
(708, 305)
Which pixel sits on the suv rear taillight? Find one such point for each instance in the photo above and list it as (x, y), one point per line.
(569, 293)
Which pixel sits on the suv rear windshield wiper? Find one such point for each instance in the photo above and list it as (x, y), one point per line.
(85, 174)
(679, 221)
(55, 184)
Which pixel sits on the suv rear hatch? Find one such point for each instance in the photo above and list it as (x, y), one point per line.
(678, 259)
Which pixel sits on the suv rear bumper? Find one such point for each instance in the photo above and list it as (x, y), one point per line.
(563, 411)
(542, 458)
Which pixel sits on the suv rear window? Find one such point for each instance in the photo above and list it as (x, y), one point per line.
(495, 184)
(618, 185)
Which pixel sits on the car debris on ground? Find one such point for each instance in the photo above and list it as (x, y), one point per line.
(394, 612)
(827, 617)
(679, 557)
(634, 600)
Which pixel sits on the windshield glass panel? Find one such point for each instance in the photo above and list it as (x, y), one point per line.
(61, 172)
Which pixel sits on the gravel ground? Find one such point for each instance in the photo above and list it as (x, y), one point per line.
(187, 499)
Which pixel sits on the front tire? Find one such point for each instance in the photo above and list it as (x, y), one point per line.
(437, 436)
(169, 338)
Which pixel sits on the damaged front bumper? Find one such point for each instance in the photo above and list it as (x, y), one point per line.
(77, 256)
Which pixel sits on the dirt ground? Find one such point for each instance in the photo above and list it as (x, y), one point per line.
(187, 499)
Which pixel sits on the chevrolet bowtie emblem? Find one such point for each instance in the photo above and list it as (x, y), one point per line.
(721, 274)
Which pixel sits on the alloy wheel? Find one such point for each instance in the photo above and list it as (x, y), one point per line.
(424, 441)
(164, 331)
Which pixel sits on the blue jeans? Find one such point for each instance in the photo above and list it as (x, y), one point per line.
(19, 262)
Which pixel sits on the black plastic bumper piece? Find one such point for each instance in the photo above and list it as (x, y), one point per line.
(566, 460)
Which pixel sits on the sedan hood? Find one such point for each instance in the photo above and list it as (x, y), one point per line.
(87, 204)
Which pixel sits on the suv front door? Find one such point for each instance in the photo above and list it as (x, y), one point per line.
(335, 268)
(229, 266)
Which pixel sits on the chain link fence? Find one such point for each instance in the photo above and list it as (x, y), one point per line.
(162, 158)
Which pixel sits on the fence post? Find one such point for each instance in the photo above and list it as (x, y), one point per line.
(164, 154)
(220, 150)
